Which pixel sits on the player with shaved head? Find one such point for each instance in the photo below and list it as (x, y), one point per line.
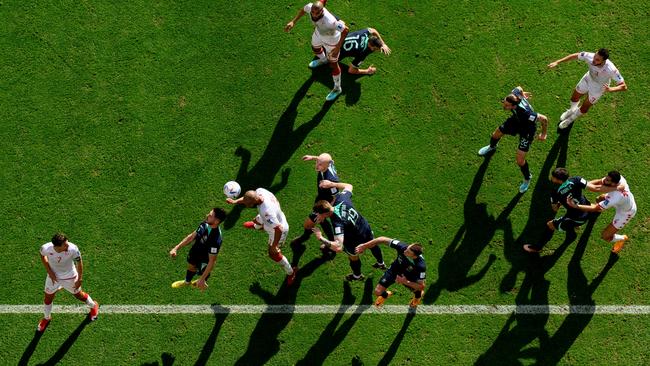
(329, 34)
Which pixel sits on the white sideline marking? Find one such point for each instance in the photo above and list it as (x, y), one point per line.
(338, 309)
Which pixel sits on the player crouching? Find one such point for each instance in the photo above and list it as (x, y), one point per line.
(408, 269)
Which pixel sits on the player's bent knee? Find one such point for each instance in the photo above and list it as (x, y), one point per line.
(276, 255)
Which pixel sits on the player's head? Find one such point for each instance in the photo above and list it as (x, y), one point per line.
(250, 199)
(317, 10)
(60, 241)
(414, 250)
(559, 175)
(216, 216)
(374, 43)
(511, 101)
(612, 179)
(323, 208)
(600, 57)
(323, 162)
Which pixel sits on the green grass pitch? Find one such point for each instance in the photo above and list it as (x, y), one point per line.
(121, 121)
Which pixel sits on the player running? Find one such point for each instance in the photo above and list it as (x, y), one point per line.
(408, 269)
(570, 189)
(359, 45)
(270, 218)
(522, 122)
(203, 254)
(595, 82)
(619, 197)
(350, 228)
(64, 267)
(329, 34)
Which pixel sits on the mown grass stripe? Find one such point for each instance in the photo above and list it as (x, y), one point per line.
(339, 309)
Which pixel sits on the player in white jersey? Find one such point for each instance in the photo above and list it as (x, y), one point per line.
(64, 267)
(618, 196)
(270, 218)
(329, 34)
(594, 83)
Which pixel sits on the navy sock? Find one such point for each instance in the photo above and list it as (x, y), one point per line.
(356, 267)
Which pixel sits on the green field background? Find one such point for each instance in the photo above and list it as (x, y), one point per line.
(121, 121)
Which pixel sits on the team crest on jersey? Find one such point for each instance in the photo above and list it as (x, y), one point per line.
(337, 230)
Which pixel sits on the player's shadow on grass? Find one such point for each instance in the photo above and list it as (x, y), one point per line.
(31, 347)
(285, 140)
(539, 213)
(65, 347)
(580, 292)
(166, 359)
(264, 343)
(220, 315)
(392, 350)
(469, 242)
(521, 330)
(334, 334)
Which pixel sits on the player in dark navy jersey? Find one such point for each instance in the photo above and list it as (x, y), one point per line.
(350, 228)
(325, 170)
(409, 269)
(359, 45)
(569, 187)
(522, 122)
(203, 254)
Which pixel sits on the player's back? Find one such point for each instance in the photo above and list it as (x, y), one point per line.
(330, 174)
(270, 210)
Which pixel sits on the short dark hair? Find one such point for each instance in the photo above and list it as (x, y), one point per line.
(375, 42)
(513, 99)
(322, 207)
(615, 176)
(561, 174)
(219, 213)
(58, 239)
(604, 53)
(416, 248)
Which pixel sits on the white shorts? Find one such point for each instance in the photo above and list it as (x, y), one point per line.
(317, 41)
(621, 219)
(593, 90)
(53, 287)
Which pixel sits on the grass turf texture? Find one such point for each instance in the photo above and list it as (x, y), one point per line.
(122, 122)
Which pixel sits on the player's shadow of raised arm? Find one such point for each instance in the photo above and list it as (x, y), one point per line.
(284, 142)
(220, 315)
(333, 334)
(65, 347)
(392, 350)
(469, 242)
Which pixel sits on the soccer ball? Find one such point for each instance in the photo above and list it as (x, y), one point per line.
(231, 189)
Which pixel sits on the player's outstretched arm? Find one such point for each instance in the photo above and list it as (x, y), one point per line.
(618, 88)
(573, 56)
(594, 207)
(357, 71)
(201, 284)
(189, 238)
(80, 271)
(338, 185)
(293, 21)
(544, 120)
(309, 157)
(367, 245)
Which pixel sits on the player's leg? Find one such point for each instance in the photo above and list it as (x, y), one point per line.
(594, 92)
(551, 226)
(48, 297)
(355, 265)
(83, 297)
(319, 52)
(381, 291)
(333, 61)
(193, 265)
(417, 298)
(277, 256)
(494, 141)
(523, 164)
(575, 101)
(308, 225)
(610, 233)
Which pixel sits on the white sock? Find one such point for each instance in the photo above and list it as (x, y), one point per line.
(286, 265)
(47, 312)
(321, 57)
(617, 237)
(574, 105)
(575, 115)
(337, 81)
(90, 302)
